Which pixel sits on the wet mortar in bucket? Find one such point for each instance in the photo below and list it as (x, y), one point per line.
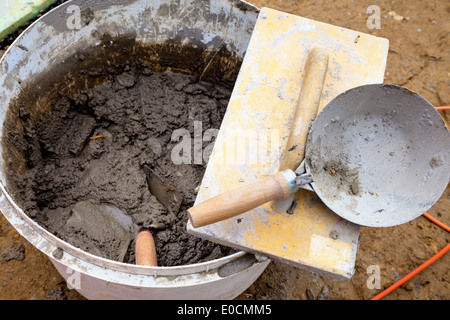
(79, 138)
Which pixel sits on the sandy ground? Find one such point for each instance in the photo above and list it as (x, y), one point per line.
(419, 59)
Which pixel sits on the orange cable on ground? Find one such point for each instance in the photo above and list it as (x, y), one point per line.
(421, 267)
(412, 274)
(443, 108)
(440, 224)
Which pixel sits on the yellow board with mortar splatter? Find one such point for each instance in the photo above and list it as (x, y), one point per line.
(254, 134)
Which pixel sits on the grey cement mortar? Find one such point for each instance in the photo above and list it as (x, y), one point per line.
(71, 178)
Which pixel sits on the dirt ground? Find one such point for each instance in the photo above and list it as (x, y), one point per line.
(419, 59)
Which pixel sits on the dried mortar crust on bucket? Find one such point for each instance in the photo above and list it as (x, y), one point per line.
(79, 167)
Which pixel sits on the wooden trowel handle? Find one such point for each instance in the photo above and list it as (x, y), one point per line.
(307, 108)
(239, 200)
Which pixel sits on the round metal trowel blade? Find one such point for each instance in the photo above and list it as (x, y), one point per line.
(379, 155)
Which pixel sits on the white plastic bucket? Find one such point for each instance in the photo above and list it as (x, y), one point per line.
(206, 24)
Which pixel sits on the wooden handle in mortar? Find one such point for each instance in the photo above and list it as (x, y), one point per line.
(145, 249)
(239, 200)
(307, 108)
